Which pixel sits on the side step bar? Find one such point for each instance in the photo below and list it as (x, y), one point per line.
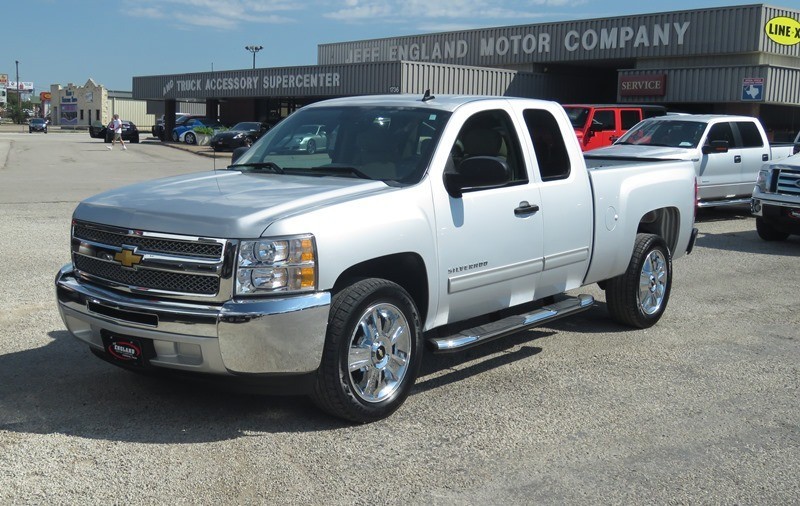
(510, 325)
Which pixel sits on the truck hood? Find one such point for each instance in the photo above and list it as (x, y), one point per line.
(638, 151)
(220, 204)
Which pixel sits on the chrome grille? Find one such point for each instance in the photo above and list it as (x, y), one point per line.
(789, 181)
(156, 280)
(213, 250)
(162, 264)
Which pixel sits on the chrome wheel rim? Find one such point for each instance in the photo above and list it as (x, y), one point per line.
(190, 138)
(653, 282)
(379, 353)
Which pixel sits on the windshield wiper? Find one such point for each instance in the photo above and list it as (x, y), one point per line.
(274, 167)
(338, 170)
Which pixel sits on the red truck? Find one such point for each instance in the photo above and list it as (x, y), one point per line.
(600, 125)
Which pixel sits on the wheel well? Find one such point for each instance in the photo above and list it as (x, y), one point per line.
(406, 269)
(664, 222)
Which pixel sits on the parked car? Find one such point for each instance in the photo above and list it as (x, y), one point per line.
(776, 199)
(158, 128)
(97, 130)
(129, 132)
(190, 136)
(241, 134)
(37, 125)
(307, 138)
(186, 123)
(600, 125)
(727, 152)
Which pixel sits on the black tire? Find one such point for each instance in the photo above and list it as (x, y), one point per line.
(768, 232)
(639, 296)
(390, 364)
(190, 138)
(248, 141)
(311, 147)
(135, 140)
(175, 136)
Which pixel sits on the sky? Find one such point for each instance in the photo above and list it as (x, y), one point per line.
(70, 41)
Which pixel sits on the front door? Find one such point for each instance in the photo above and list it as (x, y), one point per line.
(490, 240)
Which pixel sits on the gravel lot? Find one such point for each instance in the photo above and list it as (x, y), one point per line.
(702, 408)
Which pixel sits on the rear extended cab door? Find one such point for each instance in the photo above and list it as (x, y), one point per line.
(754, 152)
(566, 205)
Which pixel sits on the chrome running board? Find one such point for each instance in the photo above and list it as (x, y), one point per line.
(510, 325)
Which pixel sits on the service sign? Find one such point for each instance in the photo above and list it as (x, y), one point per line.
(783, 30)
(642, 86)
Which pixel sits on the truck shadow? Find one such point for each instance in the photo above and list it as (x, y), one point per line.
(747, 242)
(726, 213)
(61, 388)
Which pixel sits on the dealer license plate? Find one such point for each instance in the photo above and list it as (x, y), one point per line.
(127, 350)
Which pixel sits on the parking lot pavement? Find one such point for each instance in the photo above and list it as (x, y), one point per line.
(700, 409)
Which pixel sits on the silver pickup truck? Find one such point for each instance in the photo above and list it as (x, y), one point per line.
(727, 152)
(414, 225)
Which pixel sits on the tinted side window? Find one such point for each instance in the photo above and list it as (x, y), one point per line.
(491, 133)
(548, 144)
(721, 132)
(629, 118)
(603, 120)
(751, 137)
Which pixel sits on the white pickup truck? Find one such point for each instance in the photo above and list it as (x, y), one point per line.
(776, 199)
(329, 273)
(727, 152)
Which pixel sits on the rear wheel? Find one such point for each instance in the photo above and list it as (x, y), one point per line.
(768, 232)
(175, 136)
(639, 296)
(373, 351)
(190, 138)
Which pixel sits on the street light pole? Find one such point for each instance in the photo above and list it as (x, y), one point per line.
(19, 99)
(254, 50)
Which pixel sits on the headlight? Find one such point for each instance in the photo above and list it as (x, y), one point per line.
(238, 136)
(763, 180)
(277, 265)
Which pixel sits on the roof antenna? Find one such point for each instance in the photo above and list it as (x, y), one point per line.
(427, 96)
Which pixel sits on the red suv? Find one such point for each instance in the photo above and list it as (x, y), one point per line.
(600, 125)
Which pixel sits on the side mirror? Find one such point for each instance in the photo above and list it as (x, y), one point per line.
(237, 153)
(715, 147)
(477, 173)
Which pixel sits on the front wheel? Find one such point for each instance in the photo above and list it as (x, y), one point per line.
(639, 296)
(311, 147)
(373, 351)
(767, 232)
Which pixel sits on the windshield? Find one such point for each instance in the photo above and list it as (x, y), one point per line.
(370, 142)
(674, 134)
(37, 121)
(245, 127)
(577, 116)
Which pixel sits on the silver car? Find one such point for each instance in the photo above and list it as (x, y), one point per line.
(308, 138)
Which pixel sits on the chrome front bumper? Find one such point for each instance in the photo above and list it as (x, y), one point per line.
(251, 336)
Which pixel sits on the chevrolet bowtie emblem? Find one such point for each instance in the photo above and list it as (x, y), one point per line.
(128, 258)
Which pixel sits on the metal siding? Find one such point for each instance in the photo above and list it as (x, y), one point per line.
(132, 110)
(783, 86)
(723, 84)
(448, 79)
(742, 33)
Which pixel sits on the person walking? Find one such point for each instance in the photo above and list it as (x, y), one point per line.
(116, 127)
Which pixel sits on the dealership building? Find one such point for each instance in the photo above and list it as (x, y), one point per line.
(728, 60)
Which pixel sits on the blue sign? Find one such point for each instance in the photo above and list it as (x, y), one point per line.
(753, 89)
